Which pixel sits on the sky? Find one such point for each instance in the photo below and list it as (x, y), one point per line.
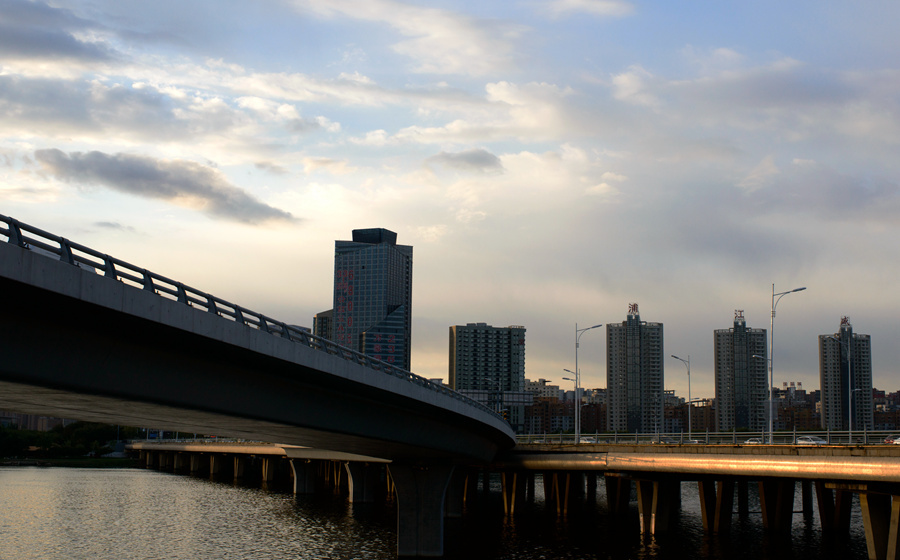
(550, 161)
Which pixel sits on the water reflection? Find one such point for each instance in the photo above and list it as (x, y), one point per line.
(51, 514)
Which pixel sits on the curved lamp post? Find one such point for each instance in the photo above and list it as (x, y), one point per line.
(572, 379)
(577, 374)
(779, 295)
(688, 364)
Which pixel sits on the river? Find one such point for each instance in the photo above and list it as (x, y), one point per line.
(136, 514)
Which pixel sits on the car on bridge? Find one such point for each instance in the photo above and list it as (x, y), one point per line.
(811, 440)
(892, 439)
(753, 441)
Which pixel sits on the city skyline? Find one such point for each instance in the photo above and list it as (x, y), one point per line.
(550, 162)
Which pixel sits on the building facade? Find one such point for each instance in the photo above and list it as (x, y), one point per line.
(488, 364)
(634, 374)
(372, 310)
(741, 372)
(845, 375)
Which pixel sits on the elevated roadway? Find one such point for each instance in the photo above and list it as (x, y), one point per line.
(84, 335)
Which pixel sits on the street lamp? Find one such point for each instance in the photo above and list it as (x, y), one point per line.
(577, 436)
(772, 359)
(688, 364)
(578, 333)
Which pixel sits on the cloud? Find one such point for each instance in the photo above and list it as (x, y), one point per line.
(440, 41)
(33, 32)
(636, 86)
(115, 226)
(181, 182)
(333, 166)
(607, 8)
(477, 160)
(270, 167)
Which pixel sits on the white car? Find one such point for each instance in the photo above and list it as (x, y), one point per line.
(811, 440)
(754, 441)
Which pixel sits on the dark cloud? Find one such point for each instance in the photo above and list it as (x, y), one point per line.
(170, 180)
(303, 125)
(36, 31)
(477, 160)
(64, 107)
(817, 189)
(115, 226)
(270, 167)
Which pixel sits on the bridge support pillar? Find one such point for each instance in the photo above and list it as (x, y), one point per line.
(456, 494)
(197, 463)
(509, 482)
(180, 461)
(268, 469)
(592, 487)
(363, 481)
(618, 493)
(834, 508)
(215, 464)
(304, 476)
(881, 518)
(655, 504)
(716, 504)
(240, 463)
(420, 507)
(776, 500)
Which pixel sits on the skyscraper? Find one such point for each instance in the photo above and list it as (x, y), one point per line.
(373, 296)
(741, 373)
(845, 374)
(634, 374)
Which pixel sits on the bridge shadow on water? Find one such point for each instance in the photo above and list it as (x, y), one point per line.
(588, 532)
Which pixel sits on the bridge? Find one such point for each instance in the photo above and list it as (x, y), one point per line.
(85, 335)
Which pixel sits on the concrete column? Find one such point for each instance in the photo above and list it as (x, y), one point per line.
(881, 518)
(197, 466)
(363, 481)
(240, 463)
(150, 458)
(806, 497)
(509, 482)
(776, 499)
(180, 462)
(618, 493)
(268, 469)
(420, 507)
(215, 464)
(592, 487)
(455, 498)
(655, 505)
(304, 476)
(834, 509)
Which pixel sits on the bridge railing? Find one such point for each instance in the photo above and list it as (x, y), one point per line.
(50, 245)
(857, 437)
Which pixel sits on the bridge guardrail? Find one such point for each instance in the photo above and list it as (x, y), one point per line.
(857, 437)
(31, 238)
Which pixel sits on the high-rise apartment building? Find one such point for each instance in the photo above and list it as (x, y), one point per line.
(488, 364)
(634, 374)
(845, 374)
(372, 310)
(741, 367)
(489, 358)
